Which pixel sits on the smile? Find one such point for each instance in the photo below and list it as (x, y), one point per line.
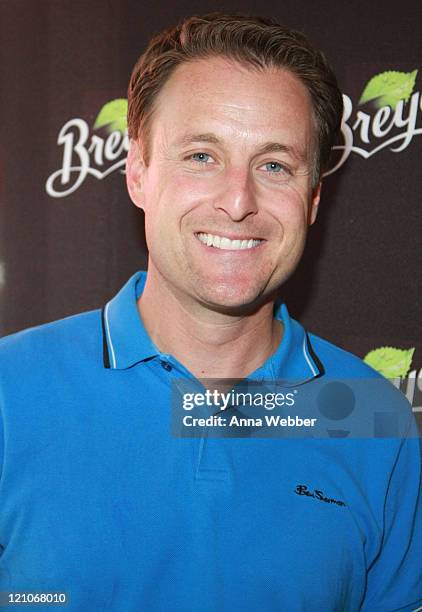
(221, 242)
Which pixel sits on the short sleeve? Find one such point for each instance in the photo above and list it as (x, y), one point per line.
(394, 581)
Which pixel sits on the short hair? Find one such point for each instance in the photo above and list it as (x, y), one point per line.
(253, 41)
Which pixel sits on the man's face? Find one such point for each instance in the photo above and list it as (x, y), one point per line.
(228, 192)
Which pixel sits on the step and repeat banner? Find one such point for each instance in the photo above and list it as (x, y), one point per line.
(70, 236)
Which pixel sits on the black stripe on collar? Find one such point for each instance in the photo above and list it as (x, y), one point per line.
(314, 357)
(106, 356)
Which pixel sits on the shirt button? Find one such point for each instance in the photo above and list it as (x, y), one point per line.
(166, 366)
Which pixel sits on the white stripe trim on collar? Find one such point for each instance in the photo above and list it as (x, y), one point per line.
(307, 357)
(113, 356)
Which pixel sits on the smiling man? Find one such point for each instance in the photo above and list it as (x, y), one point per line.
(231, 121)
(228, 193)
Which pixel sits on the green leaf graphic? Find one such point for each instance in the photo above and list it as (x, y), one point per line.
(112, 116)
(388, 88)
(390, 362)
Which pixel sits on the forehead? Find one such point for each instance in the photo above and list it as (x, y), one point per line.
(220, 95)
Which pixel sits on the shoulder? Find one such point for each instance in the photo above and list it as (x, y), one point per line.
(53, 341)
(339, 362)
(376, 395)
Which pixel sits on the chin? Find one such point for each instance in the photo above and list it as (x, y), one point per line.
(232, 299)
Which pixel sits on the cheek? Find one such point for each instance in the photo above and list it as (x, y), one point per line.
(168, 199)
(174, 194)
(193, 190)
(289, 209)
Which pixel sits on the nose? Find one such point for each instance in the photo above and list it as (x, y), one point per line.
(237, 197)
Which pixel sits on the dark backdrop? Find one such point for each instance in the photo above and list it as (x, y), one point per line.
(359, 282)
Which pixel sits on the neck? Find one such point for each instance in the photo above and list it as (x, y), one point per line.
(210, 344)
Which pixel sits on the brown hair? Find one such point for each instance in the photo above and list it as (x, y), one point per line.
(255, 41)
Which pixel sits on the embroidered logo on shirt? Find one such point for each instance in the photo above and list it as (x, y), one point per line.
(303, 490)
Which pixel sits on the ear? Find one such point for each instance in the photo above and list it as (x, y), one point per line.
(135, 173)
(313, 208)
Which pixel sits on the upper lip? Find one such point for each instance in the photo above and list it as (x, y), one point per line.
(230, 236)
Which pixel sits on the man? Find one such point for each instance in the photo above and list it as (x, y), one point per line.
(231, 121)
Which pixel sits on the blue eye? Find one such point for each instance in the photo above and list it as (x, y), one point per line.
(201, 157)
(277, 170)
(274, 167)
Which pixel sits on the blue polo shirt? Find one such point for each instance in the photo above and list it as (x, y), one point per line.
(100, 501)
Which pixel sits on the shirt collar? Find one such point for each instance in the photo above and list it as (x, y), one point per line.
(127, 342)
(295, 361)
(125, 339)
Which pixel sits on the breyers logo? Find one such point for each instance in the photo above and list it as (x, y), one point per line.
(87, 154)
(393, 116)
(392, 126)
(395, 364)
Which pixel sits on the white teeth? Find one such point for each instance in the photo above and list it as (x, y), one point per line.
(221, 242)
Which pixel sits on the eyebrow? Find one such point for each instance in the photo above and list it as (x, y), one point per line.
(268, 147)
